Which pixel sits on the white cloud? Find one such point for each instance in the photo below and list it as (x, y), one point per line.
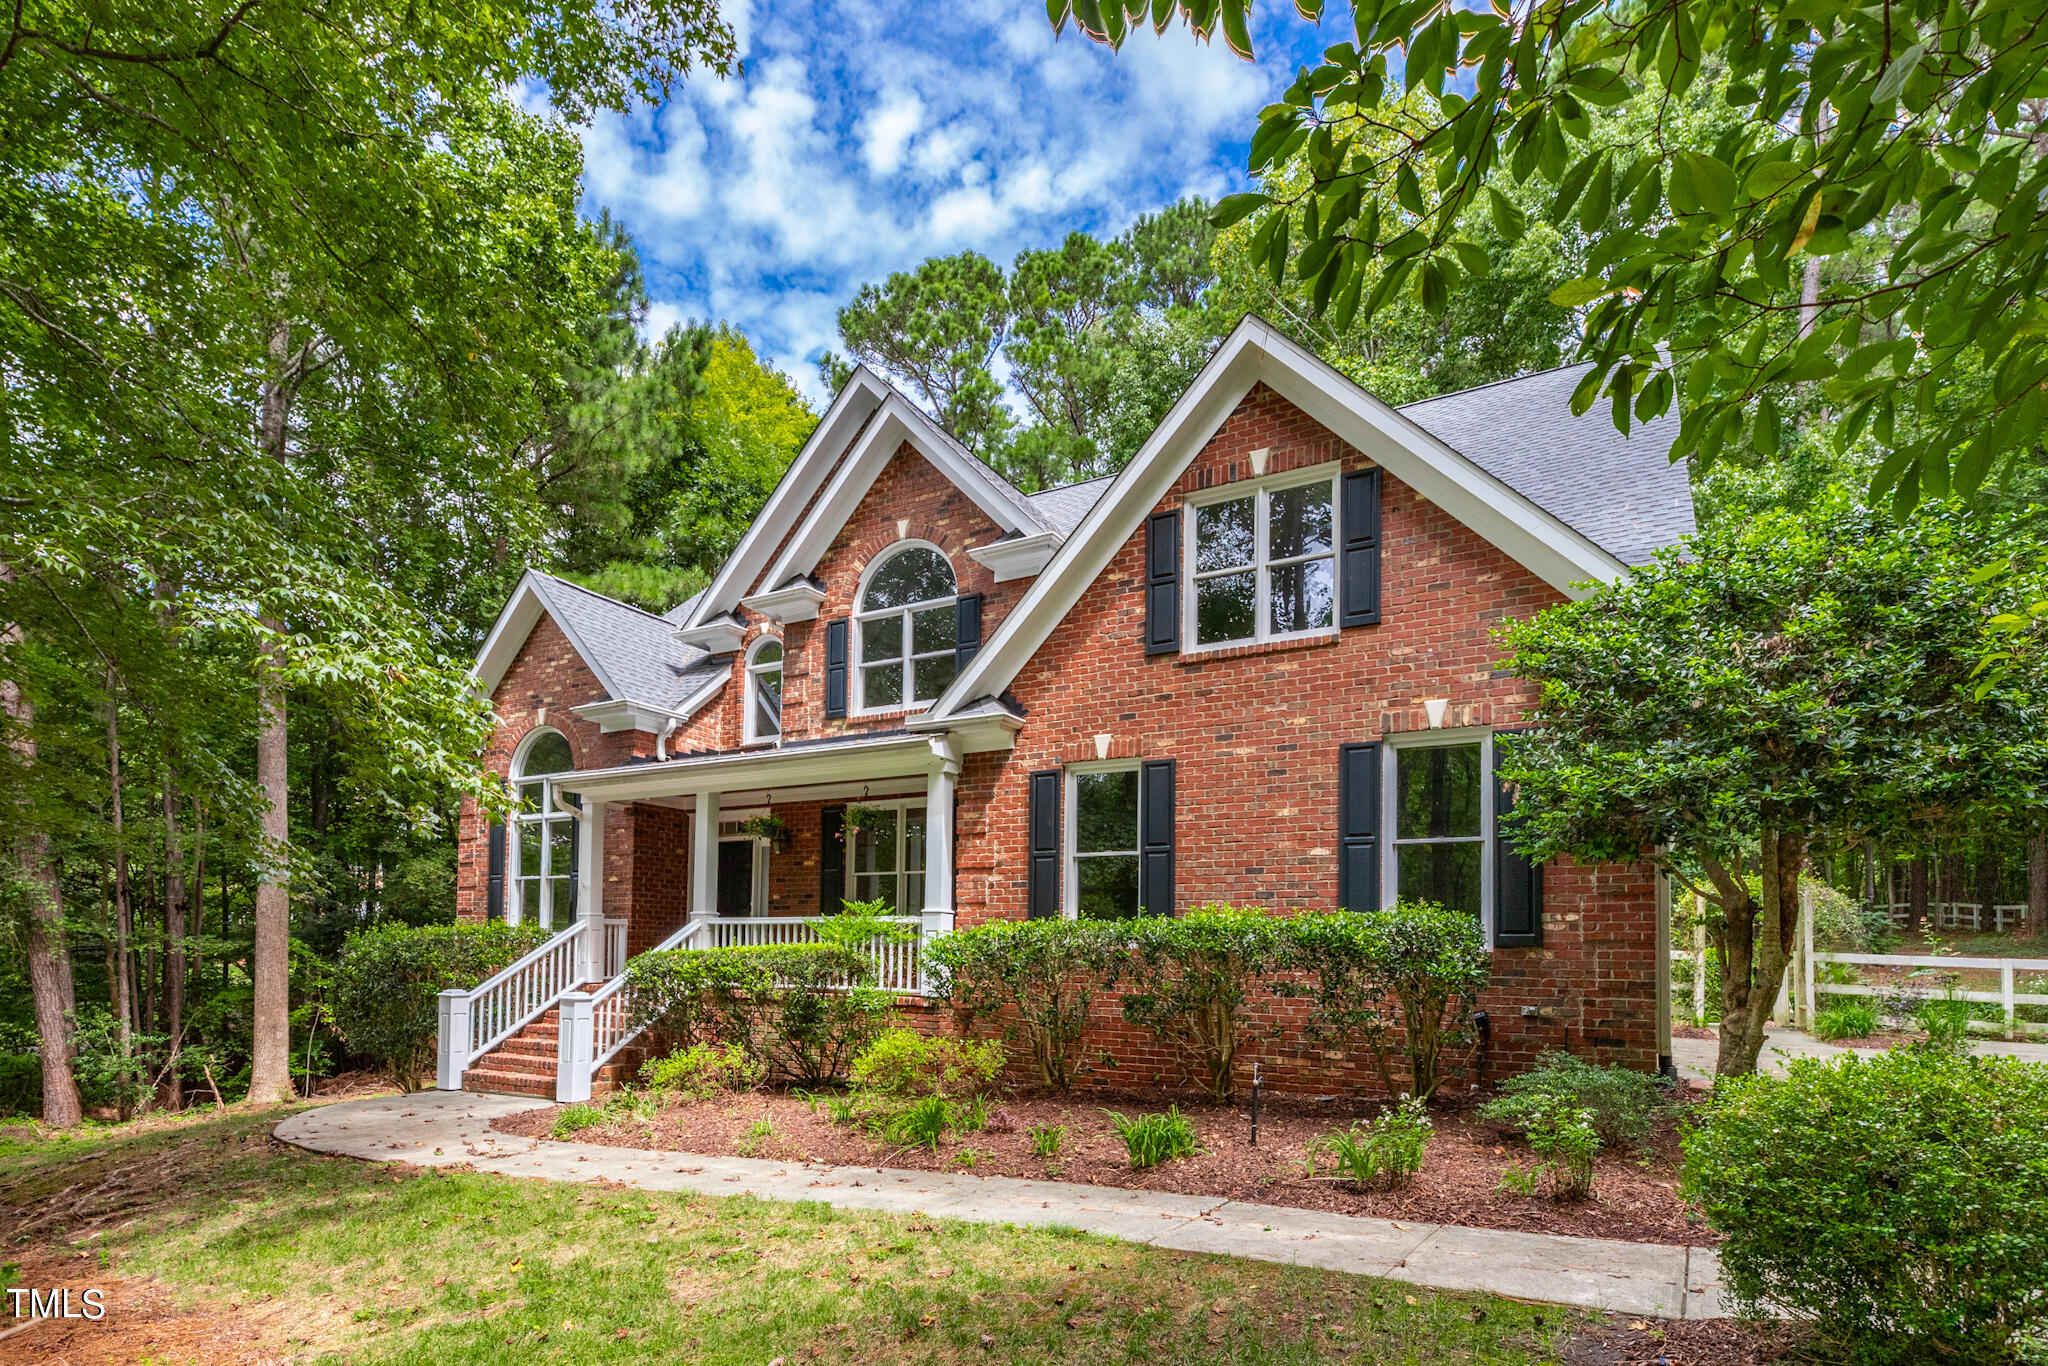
(887, 131)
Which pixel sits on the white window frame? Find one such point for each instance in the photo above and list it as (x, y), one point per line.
(1390, 861)
(1070, 831)
(549, 817)
(856, 659)
(1261, 491)
(754, 670)
(901, 806)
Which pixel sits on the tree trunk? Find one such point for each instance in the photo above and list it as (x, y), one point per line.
(270, 1068)
(198, 967)
(1916, 896)
(174, 943)
(1757, 936)
(124, 925)
(49, 956)
(2037, 885)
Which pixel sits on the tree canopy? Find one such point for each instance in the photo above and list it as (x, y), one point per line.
(1868, 220)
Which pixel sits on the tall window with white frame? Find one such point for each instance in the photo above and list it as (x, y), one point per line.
(1104, 871)
(1441, 824)
(1264, 561)
(541, 835)
(906, 629)
(764, 691)
(885, 857)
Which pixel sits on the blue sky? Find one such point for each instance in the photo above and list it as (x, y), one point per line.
(862, 138)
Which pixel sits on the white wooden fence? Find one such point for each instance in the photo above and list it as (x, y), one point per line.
(1962, 915)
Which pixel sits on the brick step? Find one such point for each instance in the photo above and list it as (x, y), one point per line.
(519, 1045)
(513, 1062)
(517, 1083)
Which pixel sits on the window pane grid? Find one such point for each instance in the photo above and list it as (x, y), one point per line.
(1264, 565)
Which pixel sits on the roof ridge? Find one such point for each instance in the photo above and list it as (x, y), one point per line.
(1078, 483)
(1490, 384)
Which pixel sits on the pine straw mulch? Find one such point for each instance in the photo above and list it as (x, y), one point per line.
(144, 1322)
(1634, 1195)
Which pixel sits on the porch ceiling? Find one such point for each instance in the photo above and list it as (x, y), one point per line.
(788, 769)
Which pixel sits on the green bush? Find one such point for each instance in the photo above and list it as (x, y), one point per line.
(1899, 1201)
(384, 996)
(803, 1011)
(704, 1070)
(904, 1063)
(1567, 1138)
(21, 1071)
(1625, 1104)
(574, 1119)
(1196, 975)
(1034, 979)
(1850, 1019)
(1153, 1139)
(1389, 1148)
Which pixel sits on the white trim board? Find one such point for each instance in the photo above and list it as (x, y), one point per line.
(1256, 353)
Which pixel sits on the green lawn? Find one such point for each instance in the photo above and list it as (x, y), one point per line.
(375, 1265)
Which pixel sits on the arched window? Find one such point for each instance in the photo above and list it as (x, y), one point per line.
(764, 691)
(542, 855)
(906, 629)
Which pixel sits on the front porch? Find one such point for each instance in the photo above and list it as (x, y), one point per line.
(670, 855)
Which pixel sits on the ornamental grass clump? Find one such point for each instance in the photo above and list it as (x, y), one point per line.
(1845, 1020)
(1152, 1139)
(1898, 1202)
(1386, 1149)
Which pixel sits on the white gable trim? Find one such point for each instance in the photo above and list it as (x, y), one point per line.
(515, 623)
(898, 422)
(1253, 353)
(741, 572)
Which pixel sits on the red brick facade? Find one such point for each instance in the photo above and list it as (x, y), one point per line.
(1255, 732)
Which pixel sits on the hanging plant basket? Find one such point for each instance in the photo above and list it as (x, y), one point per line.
(770, 828)
(858, 817)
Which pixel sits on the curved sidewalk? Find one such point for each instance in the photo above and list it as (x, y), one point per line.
(447, 1128)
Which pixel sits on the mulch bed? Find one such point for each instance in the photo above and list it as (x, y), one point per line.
(1634, 1197)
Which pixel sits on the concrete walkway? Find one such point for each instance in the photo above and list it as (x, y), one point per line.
(445, 1128)
(1695, 1057)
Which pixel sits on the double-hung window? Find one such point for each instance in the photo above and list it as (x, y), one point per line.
(542, 836)
(1262, 560)
(764, 691)
(1103, 880)
(885, 857)
(906, 630)
(1442, 826)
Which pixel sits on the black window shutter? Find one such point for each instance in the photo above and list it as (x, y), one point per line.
(1162, 583)
(835, 667)
(831, 860)
(966, 630)
(1517, 883)
(1155, 837)
(1358, 827)
(1042, 895)
(1359, 580)
(494, 885)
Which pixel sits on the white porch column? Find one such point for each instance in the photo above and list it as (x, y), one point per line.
(704, 858)
(939, 788)
(590, 892)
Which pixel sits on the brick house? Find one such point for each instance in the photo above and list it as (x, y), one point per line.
(1257, 666)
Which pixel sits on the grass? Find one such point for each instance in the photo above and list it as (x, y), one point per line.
(1851, 1019)
(1153, 1139)
(379, 1264)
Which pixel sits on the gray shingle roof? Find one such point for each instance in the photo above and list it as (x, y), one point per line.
(1620, 492)
(1063, 508)
(636, 650)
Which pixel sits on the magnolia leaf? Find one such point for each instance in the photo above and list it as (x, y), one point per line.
(1774, 178)
(1806, 226)
(1579, 292)
(1236, 33)
(1235, 208)
(1894, 79)
(1508, 218)
(1712, 182)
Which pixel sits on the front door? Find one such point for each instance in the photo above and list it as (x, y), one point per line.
(736, 877)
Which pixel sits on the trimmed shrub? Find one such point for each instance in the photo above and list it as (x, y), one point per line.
(1036, 979)
(1900, 1201)
(1851, 1019)
(1196, 974)
(384, 996)
(1389, 1148)
(1567, 1139)
(1153, 1139)
(704, 1070)
(1398, 981)
(1624, 1104)
(803, 1011)
(903, 1063)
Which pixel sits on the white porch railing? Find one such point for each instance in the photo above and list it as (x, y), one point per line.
(475, 1021)
(896, 961)
(614, 947)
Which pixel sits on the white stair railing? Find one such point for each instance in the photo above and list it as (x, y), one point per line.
(896, 961)
(475, 1021)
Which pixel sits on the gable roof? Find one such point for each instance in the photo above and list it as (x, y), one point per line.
(1549, 544)
(1064, 507)
(1619, 491)
(633, 654)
